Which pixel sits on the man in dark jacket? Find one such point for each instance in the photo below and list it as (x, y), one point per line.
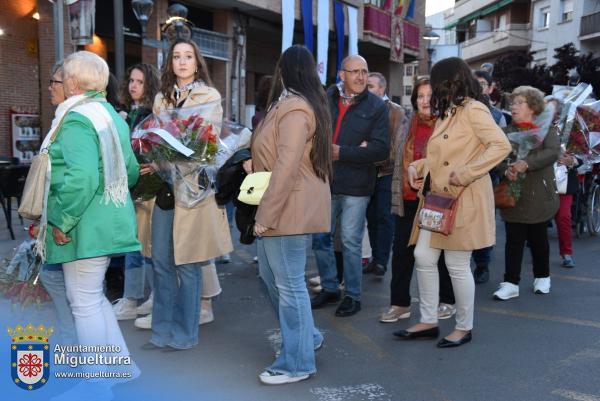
(360, 139)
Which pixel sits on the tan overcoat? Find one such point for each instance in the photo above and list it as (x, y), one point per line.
(202, 232)
(296, 201)
(469, 143)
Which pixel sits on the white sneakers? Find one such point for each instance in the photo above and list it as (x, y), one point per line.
(125, 308)
(541, 285)
(274, 378)
(144, 322)
(506, 291)
(509, 290)
(146, 307)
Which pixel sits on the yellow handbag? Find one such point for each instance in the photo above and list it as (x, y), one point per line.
(253, 188)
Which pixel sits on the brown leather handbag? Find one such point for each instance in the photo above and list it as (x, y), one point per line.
(503, 197)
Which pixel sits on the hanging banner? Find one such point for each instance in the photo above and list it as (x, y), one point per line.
(307, 21)
(322, 39)
(410, 14)
(82, 15)
(338, 12)
(397, 40)
(287, 22)
(352, 31)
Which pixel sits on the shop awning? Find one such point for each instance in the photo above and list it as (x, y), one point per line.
(479, 13)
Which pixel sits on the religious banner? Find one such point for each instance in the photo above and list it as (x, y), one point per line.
(352, 30)
(307, 22)
(397, 40)
(287, 21)
(322, 39)
(82, 15)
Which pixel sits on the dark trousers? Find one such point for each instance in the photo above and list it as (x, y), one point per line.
(536, 235)
(483, 256)
(380, 222)
(403, 262)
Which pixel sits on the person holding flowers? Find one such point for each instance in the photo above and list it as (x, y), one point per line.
(188, 229)
(531, 173)
(136, 95)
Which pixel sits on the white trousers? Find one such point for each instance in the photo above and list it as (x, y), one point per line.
(459, 267)
(95, 320)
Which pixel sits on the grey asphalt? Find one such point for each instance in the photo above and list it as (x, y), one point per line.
(535, 347)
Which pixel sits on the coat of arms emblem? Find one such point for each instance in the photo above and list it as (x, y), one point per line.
(30, 355)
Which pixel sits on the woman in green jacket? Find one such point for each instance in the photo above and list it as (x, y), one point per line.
(89, 212)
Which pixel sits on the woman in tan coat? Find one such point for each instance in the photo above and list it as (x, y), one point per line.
(184, 239)
(293, 142)
(464, 146)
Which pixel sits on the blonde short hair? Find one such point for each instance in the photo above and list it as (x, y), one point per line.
(533, 96)
(88, 69)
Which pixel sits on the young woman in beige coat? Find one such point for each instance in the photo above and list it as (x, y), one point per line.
(464, 146)
(184, 239)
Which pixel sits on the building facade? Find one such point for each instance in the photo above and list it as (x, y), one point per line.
(240, 39)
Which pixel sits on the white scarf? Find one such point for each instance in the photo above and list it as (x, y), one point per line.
(115, 173)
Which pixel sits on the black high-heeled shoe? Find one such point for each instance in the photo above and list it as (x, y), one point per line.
(433, 332)
(444, 343)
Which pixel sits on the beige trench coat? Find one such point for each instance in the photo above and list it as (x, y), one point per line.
(202, 232)
(470, 144)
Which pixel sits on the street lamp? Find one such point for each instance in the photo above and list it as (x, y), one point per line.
(142, 10)
(431, 37)
(177, 26)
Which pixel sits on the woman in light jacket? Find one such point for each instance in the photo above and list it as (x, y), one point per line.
(294, 143)
(90, 215)
(465, 145)
(184, 239)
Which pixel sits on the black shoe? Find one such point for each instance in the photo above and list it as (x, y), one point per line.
(368, 269)
(379, 270)
(443, 343)
(324, 298)
(348, 307)
(481, 274)
(433, 332)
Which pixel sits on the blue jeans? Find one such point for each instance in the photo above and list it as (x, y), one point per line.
(380, 221)
(53, 279)
(281, 264)
(177, 289)
(351, 210)
(138, 273)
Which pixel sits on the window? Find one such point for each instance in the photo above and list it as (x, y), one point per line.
(544, 18)
(408, 70)
(566, 10)
(407, 90)
(376, 3)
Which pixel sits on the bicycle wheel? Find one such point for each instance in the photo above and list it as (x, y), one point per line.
(593, 211)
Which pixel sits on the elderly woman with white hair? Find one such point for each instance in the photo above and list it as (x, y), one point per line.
(89, 215)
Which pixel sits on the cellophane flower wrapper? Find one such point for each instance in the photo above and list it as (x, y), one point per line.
(571, 97)
(182, 144)
(19, 277)
(233, 137)
(523, 142)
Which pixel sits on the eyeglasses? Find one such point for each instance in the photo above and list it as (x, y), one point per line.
(357, 72)
(53, 81)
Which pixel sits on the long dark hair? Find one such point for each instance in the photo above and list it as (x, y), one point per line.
(296, 69)
(452, 82)
(151, 86)
(169, 79)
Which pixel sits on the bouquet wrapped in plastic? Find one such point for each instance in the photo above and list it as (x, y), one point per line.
(19, 277)
(182, 145)
(570, 98)
(584, 138)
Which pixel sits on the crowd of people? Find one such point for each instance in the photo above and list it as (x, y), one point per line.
(345, 164)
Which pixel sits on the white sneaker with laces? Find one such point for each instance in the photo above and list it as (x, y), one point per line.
(274, 378)
(125, 308)
(506, 291)
(541, 285)
(146, 307)
(144, 322)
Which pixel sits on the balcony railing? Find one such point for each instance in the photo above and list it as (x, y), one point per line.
(590, 24)
(412, 36)
(378, 22)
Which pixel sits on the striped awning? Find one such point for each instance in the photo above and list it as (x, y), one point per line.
(479, 13)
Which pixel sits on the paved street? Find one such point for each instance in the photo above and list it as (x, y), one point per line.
(530, 348)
